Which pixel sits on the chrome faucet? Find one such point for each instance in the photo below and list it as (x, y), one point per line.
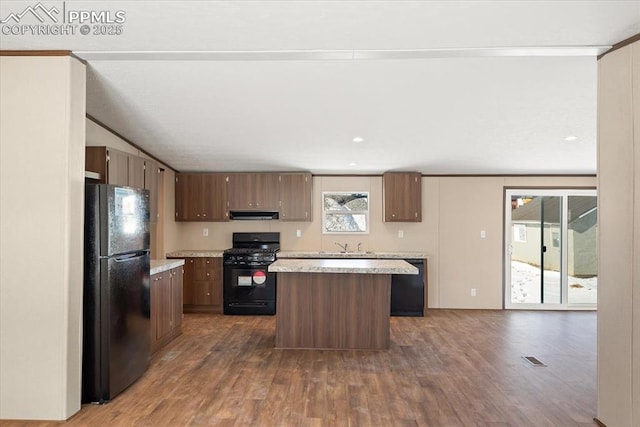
(343, 247)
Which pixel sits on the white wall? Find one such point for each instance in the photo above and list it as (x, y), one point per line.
(619, 238)
(42, 109)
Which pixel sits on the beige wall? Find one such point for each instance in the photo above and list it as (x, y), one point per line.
(455, 210)
(42, 109)
(619, 238)
(97, 136)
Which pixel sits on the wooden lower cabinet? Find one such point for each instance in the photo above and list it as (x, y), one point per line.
(333, 311)
(203, 285)
(166, 307)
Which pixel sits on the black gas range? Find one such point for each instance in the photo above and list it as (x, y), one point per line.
(248, 287)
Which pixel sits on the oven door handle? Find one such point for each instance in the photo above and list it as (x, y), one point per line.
(247, 304)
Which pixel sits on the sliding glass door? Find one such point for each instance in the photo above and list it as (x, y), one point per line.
(550, 249)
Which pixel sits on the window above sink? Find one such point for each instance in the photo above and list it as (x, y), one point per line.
(345, 212)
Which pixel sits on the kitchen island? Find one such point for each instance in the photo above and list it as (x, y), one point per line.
(335, 303)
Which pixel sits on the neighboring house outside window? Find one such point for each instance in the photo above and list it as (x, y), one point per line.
(345, 212)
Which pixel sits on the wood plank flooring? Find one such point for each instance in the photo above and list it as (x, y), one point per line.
(451, 368)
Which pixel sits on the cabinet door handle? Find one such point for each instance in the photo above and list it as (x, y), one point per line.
(204, 214)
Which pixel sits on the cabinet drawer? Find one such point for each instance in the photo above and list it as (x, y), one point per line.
(204, 263)
(204, 274)
(205, 293)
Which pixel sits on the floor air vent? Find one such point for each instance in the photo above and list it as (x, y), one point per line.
(533, 360)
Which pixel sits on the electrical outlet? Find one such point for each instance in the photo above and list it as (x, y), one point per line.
(298, 233)
(205, 232)
(473, 292)
(400, 234)
(483, 234)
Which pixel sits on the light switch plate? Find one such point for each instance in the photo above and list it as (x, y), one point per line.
(205, 232)
(298, 233)
(483, 234)
(400, 234)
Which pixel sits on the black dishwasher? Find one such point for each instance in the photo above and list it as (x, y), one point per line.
(407, 291)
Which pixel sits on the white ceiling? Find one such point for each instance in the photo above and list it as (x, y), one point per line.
(456, 87)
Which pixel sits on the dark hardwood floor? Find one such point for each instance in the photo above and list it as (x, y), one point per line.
(452, 368)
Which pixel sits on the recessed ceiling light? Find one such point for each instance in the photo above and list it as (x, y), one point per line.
(358, 139)
(353, 164)
(571, 138)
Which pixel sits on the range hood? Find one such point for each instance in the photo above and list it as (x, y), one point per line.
(253, 215)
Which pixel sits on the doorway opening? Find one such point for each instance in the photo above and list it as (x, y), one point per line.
(551, 249)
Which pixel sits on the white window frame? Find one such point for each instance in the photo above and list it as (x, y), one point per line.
(508, 230)
(326, 212)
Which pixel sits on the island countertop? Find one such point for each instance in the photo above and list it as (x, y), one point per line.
(358, 266)
(352, 255)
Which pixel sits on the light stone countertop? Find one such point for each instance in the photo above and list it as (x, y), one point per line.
(359, 266)
(357, 255)
(208, 253)
(160, 265)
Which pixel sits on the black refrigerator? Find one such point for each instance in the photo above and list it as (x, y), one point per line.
(116, 301)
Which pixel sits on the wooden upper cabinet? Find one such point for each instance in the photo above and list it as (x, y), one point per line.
(95, 160)
(295, 196)
(253, 191)
(267, 191)
(136, 171)
(189, 194)
(117, 168)
(151, 171)
(201, 197)
(120, 168)
(240, 189)
(402, 194)
(215, 197)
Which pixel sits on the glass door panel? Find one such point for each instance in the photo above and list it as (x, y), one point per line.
(582, 244)
(536, 249)
(550, 255)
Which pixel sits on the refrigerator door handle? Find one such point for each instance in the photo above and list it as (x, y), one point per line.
(130, 256)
